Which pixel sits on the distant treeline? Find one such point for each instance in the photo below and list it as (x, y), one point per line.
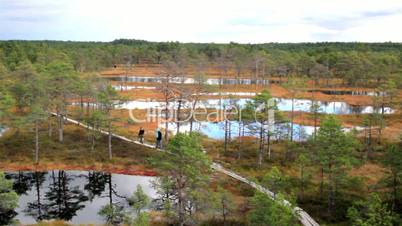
(353, 61)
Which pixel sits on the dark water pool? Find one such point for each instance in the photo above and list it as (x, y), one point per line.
(73, 196)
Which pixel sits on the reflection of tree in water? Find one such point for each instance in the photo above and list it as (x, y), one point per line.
(22, 182)
(96, 184)
(35, 209)
(112, 191)
(113, 211)
(54, 197)
(62, 201)
(356, 109)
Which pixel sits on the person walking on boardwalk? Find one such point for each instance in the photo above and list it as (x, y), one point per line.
(158, 138)
(141, 135)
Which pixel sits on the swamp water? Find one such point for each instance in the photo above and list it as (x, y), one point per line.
(216, 130)
(72, 196)
(187, 80)
(303, 105)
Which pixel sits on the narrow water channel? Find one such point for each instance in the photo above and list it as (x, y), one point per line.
(187, 80)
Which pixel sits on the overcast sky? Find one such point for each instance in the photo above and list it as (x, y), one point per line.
(247, 21)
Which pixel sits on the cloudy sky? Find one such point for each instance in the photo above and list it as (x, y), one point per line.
(247, 21)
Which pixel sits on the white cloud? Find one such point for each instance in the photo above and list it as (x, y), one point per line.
(251, 21)
(384, 29)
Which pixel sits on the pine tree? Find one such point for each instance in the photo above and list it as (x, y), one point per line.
(334, 151)
(371, 212)
(8, 200)
(186, 168)
(267, 212)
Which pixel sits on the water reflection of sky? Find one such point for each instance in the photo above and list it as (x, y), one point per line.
(2, 130)
(187, 80)
(216, 130)
(283, 104)
(123, 185)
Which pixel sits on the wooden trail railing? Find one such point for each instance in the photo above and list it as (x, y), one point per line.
(303, 216)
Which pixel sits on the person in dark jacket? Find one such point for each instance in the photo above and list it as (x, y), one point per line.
(158, 138)
(141, 135)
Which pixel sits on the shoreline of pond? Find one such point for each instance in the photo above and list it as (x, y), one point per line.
(137, 170)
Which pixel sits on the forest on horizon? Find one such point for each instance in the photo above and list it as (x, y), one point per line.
(355, 62)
